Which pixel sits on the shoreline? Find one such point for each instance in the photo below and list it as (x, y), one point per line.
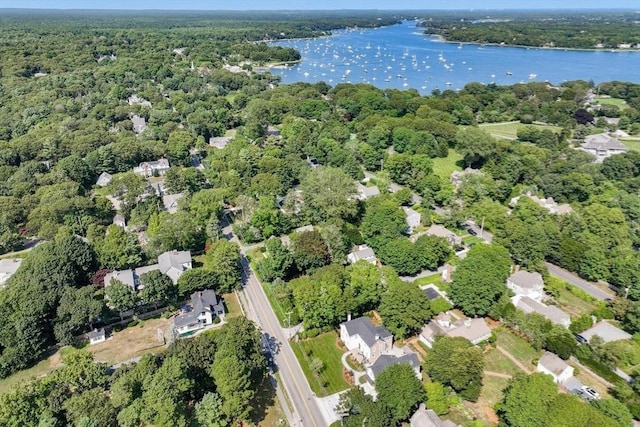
(442, 39)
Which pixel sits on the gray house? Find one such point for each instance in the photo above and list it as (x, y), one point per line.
(602, 146)
(205, 306)
(171, 263)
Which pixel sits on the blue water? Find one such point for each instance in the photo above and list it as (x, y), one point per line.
(402, 57)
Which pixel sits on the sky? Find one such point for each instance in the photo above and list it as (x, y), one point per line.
(321, 4)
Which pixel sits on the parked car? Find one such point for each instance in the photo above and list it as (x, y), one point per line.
(580, 393)
(472, 231)
(590, 392)
(581, 339)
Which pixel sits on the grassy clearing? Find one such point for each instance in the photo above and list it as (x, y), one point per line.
(517, 347)
(443, 167)
(618, 102)
(631, 143)
(41, 369)
(495, 361)
(509, 130)
(232, 305)
(322, 347)
(573, 304)
(491, 393)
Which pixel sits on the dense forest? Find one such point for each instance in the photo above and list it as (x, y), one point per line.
(72, 99)
(559, 29)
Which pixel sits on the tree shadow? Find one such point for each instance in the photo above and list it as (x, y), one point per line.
(264, 400)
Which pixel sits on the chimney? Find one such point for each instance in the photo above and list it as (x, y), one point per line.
(349, 317)
(377, 337)
(467, 323)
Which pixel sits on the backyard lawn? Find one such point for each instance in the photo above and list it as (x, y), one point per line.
(509, 130)
(495, 361)
(517, 347)
(322, 347)
(631, 143)
(572, 304)
(444, 166)
(232, 305)
(491, 394)
(618, 102)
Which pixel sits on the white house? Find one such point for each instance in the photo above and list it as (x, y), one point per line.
(549, 204)
(524, 283)
(97, 336)
(104, 179)
(171, 263)
(147, 169)
(412, 218)
(362, 252)
(205, 306)
(475, 330)
(554, 314)
(365, 192)
(365, 338)
(552, 365)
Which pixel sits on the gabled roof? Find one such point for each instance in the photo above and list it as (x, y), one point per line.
(201, 301)
(124, 276)
(173, 259)
(424, 417)
(219, 141)
(96, 333)
(104, 179)
(363, 327)
(386, 360)
(527, 280)
(170, 202)
(602, 141)
(606, 331)
(362, 252)
(551, 312)
(552, 363)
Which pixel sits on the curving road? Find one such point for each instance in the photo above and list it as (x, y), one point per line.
(306, 411)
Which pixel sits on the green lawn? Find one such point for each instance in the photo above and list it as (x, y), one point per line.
(323, 347)
(618, 102)
(573, 304)
(495, 361)
(491, 393)
(518, 347)
(509, 130)
(275, 304)
(631, 143)
(444, 166)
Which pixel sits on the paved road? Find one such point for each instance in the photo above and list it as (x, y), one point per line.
(589, 287)
(291, 374)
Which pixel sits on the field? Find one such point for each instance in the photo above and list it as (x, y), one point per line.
(509, 130)
(631, 143)
(618, 102)
(517, 347)
(322, 347)
(444, 166)
(232, 305)
(495, 361)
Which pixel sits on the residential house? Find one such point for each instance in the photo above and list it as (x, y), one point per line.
(104, 179)
(153, 168)
(552, 365)
(603, 145)
(362, 336)
(424, 417)
(171, 263)
(548, 204)
(606, 331)
(475, 330)
(137, 100)
(272, 131)
(554, 314)
(524, 283)
(441, 231)
(170, 202)
(205, 306)
(219, 142)
(365, 192)
(412, 218)
(362, 252)
(174, 264)
(97, 336)
(8, 268)
(386, 360)
(139, 124)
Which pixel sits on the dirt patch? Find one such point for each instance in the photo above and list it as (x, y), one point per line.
(347, 376)
(491, 415)
(131, 342)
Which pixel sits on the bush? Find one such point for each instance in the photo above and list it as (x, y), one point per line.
(603, 312)
(132, 323)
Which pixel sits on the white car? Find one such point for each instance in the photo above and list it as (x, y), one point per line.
(590, 392)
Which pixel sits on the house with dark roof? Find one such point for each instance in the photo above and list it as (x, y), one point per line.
(362, 336)
(524, 283)
(204, 307)
(475, 330)
(386, 360)
(97, 336)
(551, 364)
(603, 145)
